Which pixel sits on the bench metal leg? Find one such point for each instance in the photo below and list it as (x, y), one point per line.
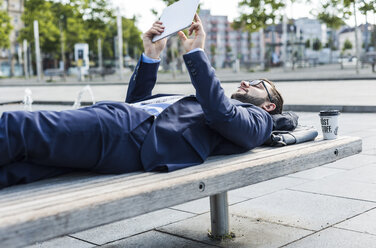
(219, 214)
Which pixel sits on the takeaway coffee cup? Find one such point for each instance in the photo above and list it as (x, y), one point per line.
(329, 123)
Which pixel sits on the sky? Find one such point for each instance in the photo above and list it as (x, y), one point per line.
(141, 8)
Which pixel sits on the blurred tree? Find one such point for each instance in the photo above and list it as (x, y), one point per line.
(307, 44)
(213, 52)
(257, 14)
(132, 35)
(82, 21)
(316, 45)
(72, 24)
(366, 6)
(5, 28)
(49, 35)
(332, 13)
(347, 45)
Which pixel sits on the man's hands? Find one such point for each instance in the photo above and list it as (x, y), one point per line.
(153, 50)
(198, 41)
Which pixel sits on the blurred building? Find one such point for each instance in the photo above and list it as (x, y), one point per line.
(311, 29)
(15, 9)
(364, 39)
(223, 43)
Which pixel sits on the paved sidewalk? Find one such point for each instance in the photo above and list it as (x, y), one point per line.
(299, 96)
(318, 73)
(328, 207)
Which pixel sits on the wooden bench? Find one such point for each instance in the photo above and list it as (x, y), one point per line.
(63, 205)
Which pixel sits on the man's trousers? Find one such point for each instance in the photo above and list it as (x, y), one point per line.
(42, 144)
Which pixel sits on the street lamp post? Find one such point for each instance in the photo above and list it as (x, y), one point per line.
(120, 43)
(37, 51)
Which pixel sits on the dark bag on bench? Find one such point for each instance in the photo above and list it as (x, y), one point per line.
(287, 132)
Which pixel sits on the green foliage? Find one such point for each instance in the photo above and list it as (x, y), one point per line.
(256, 14)
(366, 6)
(131, 36)
(81, 21)
(347, 45)
(49, 34)
(333, 13)
(213, 49)
(307, 44)
(316, 45)
(5, 28)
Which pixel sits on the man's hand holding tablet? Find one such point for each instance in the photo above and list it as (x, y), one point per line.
(154, 49)
(198, 41)
(176, 17)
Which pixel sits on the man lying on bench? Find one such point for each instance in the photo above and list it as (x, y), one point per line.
(150, 133)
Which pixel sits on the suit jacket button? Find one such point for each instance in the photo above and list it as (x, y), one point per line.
(194, 73)
(189, 62)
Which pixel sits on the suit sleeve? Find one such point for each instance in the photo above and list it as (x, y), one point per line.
(142, 81)
(248, 127)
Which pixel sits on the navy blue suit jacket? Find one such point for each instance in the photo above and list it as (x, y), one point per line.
(195, 127)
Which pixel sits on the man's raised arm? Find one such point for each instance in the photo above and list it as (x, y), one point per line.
(145, 74)
(247, 127)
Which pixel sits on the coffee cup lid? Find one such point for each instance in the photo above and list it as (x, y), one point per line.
(333, 112)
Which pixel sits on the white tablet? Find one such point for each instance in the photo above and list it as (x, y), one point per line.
(176, 17)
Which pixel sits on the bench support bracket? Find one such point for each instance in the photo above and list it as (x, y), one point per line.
(219, 215)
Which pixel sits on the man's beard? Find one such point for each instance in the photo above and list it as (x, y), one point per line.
(245, 98)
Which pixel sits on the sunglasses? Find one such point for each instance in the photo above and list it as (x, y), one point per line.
(259, 81)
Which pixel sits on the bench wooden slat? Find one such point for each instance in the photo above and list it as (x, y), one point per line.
(75, 192)
(67, 209)
(52, 193)
(51, 187)
(87, 191)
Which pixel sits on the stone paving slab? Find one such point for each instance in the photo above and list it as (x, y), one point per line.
(355, 184)
(201, 206)
(365, 223)
(65, 241)
(300, 209)
(154, 239)
(334, 237)
(364, 174)
(125, 228)
(315, 173)
(267, 187)
(352, 162)
(369, 145)
(249, 233)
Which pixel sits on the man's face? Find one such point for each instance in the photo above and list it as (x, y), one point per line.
(255, 94)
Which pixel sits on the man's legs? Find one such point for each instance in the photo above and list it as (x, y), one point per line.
(66, 138)
(99, 138)
(22, 172)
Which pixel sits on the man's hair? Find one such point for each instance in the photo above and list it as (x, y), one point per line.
(276, 97)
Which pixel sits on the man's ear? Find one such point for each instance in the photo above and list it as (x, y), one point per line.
(268, 106)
